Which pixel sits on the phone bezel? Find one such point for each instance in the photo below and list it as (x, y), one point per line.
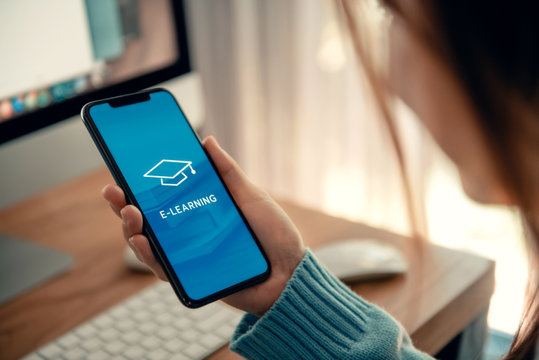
(147, 230)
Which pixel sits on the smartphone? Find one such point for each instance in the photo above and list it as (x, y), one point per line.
(195, 228)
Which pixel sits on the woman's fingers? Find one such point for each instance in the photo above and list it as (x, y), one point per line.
(115, 196)
(132, 228)
(131, 221)
(130, 215)
(141, 247)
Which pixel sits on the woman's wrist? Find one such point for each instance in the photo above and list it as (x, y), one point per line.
(282, 274)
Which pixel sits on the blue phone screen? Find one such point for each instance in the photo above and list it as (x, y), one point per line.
(196, 223)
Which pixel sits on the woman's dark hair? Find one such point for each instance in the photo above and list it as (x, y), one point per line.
(493, 47)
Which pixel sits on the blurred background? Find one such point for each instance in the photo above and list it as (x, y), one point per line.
(283, 93)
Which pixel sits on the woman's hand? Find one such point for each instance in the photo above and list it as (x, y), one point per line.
(277, 234)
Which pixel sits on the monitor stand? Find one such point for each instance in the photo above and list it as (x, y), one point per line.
(25, 265)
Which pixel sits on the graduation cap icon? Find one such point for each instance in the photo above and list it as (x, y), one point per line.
(171, 172)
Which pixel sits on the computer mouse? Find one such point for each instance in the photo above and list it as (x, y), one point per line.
(353, 260)
(133, 263)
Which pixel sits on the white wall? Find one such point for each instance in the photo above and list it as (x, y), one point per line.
(65, 150)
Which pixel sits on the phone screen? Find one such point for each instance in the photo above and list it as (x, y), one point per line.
(199, 228)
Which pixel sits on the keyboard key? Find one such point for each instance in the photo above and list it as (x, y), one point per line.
(202, 313)
(163, 288)
(135, 352)
(103, 322)
(109, 335)
(164, 319)
(159, 354)
(211, 341)
(157, 308)
(167, 333)
(135, 304)
(125, 325)
(119, 312)
(51, 351)
(235, 319)
(115, 347)
(141, 316)
(213, 321)
(151, 343)
(132, 337)
(148, 328)
(92, 345)
(179, 357)
(68, 341)
(225, 331)
(190, 335)
(174, 346)
(195, 351)
(150, 294)
(177, 311)
(182, 323)
(75, 354)
(86, 331)
(98, 355)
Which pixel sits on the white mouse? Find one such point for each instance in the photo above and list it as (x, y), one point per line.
(133, 263)
(361, 259)
(350, 260)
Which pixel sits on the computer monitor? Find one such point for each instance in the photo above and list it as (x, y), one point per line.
(57, 55)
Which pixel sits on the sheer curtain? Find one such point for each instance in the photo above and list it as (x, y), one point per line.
(286, 98)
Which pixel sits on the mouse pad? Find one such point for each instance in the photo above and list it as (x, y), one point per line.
(24, 265)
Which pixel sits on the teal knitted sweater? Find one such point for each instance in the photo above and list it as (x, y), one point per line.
(318, 317)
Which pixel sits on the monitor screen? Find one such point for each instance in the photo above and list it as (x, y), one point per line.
(56, 55)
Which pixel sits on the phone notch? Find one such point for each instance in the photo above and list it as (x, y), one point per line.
(129, 100)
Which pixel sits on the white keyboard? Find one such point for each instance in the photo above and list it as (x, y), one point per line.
(153, 325)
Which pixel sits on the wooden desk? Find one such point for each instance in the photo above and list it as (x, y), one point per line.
(435, 301)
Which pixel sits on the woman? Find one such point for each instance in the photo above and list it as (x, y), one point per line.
(471, 73)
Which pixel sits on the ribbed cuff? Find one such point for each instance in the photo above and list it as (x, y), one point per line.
(319, 317)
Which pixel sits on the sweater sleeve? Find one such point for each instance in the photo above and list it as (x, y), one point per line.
(318, 317)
